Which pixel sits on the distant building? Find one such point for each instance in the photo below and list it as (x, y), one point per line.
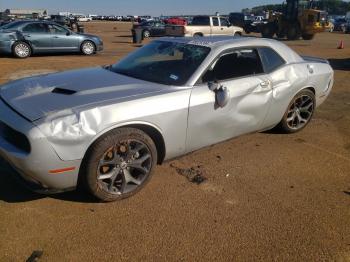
(25, 13)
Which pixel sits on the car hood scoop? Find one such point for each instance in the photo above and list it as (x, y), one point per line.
(63, 91)
(40, 96)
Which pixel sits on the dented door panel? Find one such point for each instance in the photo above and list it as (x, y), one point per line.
(246, 111)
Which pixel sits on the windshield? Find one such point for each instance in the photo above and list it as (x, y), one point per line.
(163, 62)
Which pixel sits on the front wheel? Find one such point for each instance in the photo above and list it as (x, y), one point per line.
(21, 50)
(293, 32)
(146, 34)
(308, 36)
(119, 164)
(88, 48)
(299, 112)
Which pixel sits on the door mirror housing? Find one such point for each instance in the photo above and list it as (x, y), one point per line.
(222, 97)
(68, 33)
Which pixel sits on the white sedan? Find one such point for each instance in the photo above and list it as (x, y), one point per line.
(108, 127)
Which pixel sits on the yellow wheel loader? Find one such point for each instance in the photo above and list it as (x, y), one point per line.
(298, 19)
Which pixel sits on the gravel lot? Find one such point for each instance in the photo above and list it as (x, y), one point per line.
(267, 196)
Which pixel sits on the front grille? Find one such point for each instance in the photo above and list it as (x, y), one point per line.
(14, 138)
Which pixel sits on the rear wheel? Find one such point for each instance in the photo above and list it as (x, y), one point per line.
(21, 50)
(119, 164)
(299, 112)
(197, 35)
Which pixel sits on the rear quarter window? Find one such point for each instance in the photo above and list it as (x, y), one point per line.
(270, 59)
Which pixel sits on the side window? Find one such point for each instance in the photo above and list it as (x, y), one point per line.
(54, 29)
(35, 28)
(270, 59)
(215, 21)
(201, 20)
(238, 63)
(223, 22)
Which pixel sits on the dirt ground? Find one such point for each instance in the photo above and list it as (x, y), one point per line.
(267, 197)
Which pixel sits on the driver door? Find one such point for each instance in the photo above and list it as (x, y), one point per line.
(250, 94)
(62, 39)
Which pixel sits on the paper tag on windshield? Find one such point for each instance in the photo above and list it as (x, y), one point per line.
(174, 77)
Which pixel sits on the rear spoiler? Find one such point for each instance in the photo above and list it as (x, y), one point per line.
(315, 59)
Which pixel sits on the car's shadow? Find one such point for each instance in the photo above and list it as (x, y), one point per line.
(340, 64)
(11, 191)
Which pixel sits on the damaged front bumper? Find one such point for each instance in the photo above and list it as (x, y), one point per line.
(27, 150)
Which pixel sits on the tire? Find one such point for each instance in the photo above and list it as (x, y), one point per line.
(88, 48)
(308, 36)
(119, 164)
(21, 50)
(198, 35)
(267, 31)
(293, 32)
(302, 107)
(146, 34)
(237, 34)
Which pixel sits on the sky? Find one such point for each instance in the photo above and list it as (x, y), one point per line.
(136, 7)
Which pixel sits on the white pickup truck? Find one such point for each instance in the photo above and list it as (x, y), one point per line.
(204, 26)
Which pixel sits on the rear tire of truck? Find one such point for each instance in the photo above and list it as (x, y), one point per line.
(198, 35)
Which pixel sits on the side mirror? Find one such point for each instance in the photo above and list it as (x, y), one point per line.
(68, 33)
(222, 97)
(213, 86)
(229, 25)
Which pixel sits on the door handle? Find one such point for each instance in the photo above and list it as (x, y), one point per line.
(26, 35)
(265, 84)
(55, 37)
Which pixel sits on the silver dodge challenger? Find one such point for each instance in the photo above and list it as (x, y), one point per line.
(107, 128)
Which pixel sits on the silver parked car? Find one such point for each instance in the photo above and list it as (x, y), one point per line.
(27, 37)
(108, 127)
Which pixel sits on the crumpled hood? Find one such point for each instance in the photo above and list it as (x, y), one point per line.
(40, 96)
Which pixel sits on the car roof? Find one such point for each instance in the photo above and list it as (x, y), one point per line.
(215, 41)
(221, 43)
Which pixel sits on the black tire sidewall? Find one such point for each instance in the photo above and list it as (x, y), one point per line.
(283, 126)
(82, 45)
(95, 153)
(21, 57)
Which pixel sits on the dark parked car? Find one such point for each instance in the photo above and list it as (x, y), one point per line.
(69, 22)
(340, 24)
(241, 20)
(23, 38)
(151, 28)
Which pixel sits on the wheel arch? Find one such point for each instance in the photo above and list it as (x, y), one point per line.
(87, 40)
(24, 41)
(151, 130)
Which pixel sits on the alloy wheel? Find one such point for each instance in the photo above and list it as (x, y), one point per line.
(124, 167)
(88, 48)
(300, 112)
(22, 50)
